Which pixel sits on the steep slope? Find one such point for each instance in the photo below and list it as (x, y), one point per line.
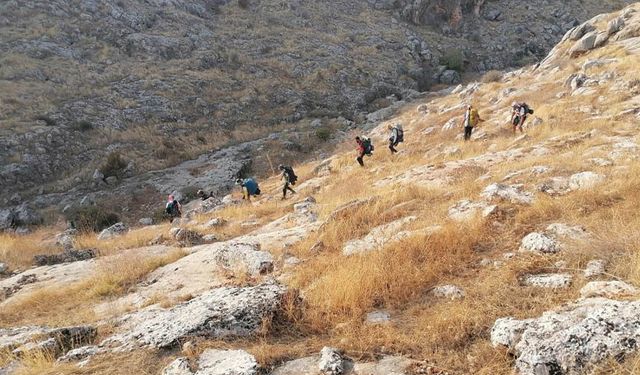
(449, 257)
(166, 81)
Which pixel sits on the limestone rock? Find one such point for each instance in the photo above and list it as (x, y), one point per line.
(25, 339)
(3, 268)
(113, 231)
(178, 367)
(467, 210)
(221, 312)
(550, 281)
(540, 243)
(595, 268)
(560, 230)
(585, 180)
(146, 221)
(65, 257)
(226, 362)
(586, 43)
(451, 292)
(378, 317)
(80, 353)
(331, 362)
(608, 289)
(573, 339)
(510, 193)
(377, 237)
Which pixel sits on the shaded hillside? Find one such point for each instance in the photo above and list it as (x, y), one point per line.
(165, 81)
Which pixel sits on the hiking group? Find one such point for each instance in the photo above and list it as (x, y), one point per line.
(519, 113)
(250, 188)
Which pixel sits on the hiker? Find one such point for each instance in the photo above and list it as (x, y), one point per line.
(396, 137)
(249, 187)
(173, 208)
(519, 113)
(364, 148)
(289, 177)
(204, 196)
(471, 119)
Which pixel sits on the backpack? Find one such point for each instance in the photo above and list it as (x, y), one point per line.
(172, 208)
(368, 146)
(400, 134)
(291, 175)
(527, 109)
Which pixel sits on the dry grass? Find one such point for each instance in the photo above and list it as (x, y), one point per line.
(133, 239)
(73, 304)
(18, 251)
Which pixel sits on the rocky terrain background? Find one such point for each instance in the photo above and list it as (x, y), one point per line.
(509, 253)
(164, 81)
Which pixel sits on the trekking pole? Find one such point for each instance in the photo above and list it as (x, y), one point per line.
(270, 164)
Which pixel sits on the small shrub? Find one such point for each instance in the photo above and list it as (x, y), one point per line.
(244, 4)
(82, 125)
(453, 59)
(92, 218)
(492, 76)
(114, 166)
(47, 120)
(323, 134)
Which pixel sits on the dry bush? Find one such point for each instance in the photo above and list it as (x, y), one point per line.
(492, 76)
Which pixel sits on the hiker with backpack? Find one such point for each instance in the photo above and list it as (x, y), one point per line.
(289, 177)
(365, 147)
(173, 208)
(249, 187)
(471, 119)
(519, 113)
(396, 137)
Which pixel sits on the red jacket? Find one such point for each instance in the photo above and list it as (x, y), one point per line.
(360, 147)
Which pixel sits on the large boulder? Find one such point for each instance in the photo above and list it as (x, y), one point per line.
(585, 180)
(586, 43)
(221, 312)
(113, 231)
(466, 210)
(573, 339)
(55, 340)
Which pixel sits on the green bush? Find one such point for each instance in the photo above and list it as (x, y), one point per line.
(91, 218)
(323, 134)
(114, 166)
(453, 59)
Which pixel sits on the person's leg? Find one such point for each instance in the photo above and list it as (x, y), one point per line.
(360, 160)
(391, 147)
(284, 190)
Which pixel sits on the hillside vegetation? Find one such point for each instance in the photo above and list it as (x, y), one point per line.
(440, 242)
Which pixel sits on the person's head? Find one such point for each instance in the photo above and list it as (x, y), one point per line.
(389, 126)
(238, 181)
(469, 106)
(170, 198)
(357, 138)
(200, 193)
(281, 167)
(514, 104)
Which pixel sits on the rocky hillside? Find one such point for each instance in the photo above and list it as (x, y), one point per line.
(508, 253)
(163, 81)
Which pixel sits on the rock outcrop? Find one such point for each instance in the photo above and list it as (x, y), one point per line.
(573, 339)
